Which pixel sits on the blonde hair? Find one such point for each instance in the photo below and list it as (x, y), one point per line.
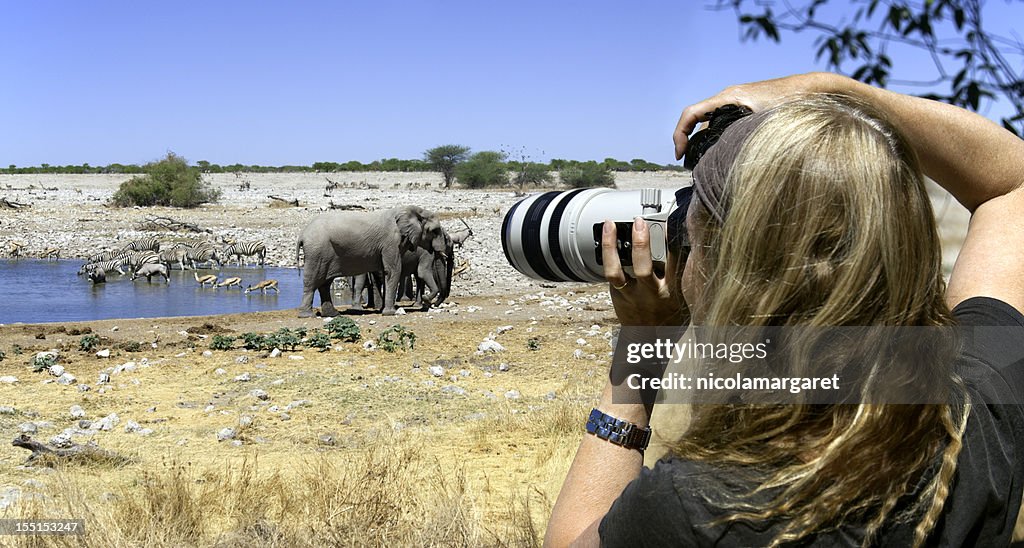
(828, 224)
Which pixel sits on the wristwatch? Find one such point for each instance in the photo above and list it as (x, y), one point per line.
(618, 431)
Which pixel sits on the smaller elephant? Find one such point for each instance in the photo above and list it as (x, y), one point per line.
(152, 269)
(98, 275)
(370, 284)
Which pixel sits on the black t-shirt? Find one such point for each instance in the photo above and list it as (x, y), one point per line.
(666, 505)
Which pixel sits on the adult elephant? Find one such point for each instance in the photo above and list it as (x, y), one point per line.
(429, 270)
(346, 243)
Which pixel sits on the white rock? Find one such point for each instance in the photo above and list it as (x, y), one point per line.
(77, 412)
(207, 353)
(106, 423)
(400, 311)
(226, 434)
(115, 328)
(581, 342)
(370, 345)
(436, 370)
(219, 371)
(67, 379)
(260, 394)
(105, 353)
(504, 329)
(132, 426)
(578, 354)
(8, 379)
(275, 352)
(55, 370)
(490, 346)
(512, 395)
(244, 377)
(296, 357)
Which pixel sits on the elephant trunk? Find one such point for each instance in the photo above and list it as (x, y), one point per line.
(442, 267)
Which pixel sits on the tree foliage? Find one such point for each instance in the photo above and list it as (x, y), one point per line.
(973, 64)
(586, 174)
(484, 169)
(168, 182)
(445, 159)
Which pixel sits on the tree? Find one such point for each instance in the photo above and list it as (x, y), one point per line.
(445, 158)
(970, 61)
(167, 182)
(484, 169)
(586, 174)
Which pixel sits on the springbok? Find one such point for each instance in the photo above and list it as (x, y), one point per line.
(263, 286)
(207, 279)
(51, 253)
(228, 282)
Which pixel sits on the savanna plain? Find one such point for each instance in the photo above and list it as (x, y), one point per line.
(453, 441)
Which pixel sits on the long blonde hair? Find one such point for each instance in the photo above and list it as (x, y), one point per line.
(828, 224)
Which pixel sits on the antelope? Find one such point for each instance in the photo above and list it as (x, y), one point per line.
(14, 248)
(228, 282)
(51, 253)
(460, 237)
(263, 286)
(207, 279)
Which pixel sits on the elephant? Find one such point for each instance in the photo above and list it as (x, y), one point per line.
(423, 268)
(152, 269)
(346, 243)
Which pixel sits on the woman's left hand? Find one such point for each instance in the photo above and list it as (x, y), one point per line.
(645, 299)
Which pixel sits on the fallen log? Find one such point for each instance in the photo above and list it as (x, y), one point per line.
(155, 223)
(7, 204)
(293, 203)
(78, 454)
(344, 207)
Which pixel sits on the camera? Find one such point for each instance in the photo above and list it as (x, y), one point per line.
(556, 236)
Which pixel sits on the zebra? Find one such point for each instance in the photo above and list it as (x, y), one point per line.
(175, 255)
(202, 253)
(246, 249)
(143, 244)
(107, 266)
(107, 255)
(135, 259)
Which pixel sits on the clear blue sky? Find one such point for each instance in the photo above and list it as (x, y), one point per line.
(276, 83)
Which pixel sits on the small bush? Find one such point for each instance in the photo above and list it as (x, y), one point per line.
(88, 343)
(168, 182)
(344, 329)
(45, 361)
(586, 174)
(484, 169)
(532, 173)
(132, 346)
(222, 342)
(396, 337)
(16, 350)
(320, 341)
(533, 343)
(255, 341)
(285, 339)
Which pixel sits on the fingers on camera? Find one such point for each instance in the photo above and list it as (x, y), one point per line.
(610, 256)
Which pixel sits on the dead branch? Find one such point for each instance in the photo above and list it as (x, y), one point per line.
(7, 204)
(293, 203)
(155, 223)
(81, 454)
(344, 207)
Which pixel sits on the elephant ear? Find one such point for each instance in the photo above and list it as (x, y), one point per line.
(410, 226)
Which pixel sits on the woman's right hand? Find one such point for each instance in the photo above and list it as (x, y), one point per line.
(757, 96)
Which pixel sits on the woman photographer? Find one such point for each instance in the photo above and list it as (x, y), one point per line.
(812, 211)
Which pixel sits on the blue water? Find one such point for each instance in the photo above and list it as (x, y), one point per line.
(36, 291)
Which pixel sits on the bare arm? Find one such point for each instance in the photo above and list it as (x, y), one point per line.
(978, 162)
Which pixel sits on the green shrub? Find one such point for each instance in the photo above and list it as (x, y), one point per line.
(222, 342)
(168, 182)
(586, 174)
(533, 343)
(88, 343)
(285, 339)
(16, 350)
(484, 169)
(344, 329)
(255, 341)
(320, 341)
(40, 363)
(133, 346)
(531, 173)
(396, 337)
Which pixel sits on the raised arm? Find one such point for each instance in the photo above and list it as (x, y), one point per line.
(977, 161)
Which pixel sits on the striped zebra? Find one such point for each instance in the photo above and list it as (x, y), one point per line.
(175, 255)
(107, 255)
(203, 252)
(135, 259)
(143, 244)
(114, 265)
(246, 249)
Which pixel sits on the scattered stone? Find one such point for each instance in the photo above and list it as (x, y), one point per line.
(277, 382)
(85, 424)
(209, 409)
(260, 394)
(126, 367)
(67, 379)
(77, 412)
(105, 353)
(369, 345)
(28, 427)
(549, 396)
(436, 370)
(131, 427)
(296, 357)
(296, 404)
(400, 311)
(55, 370)
(504, 329)
(502, 366)
(464, 373)
(207, 353)
(9, 496)
(285, 417)
(490, 395)
(8, 379)
(453, 390)
(577, 354)
(512, 395)
(489, 345)
(6, 410)
(106, 423)
(242, 359)
(488, 374)
(581, 342)
(151, 409)
(275, 353)
(115, 328)
(103, 378)
(326, 439)
(84, 388)
(226, 434)
(245, 421)
(244, 377)
(219, 371)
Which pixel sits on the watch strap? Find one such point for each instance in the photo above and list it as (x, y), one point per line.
(618, 431)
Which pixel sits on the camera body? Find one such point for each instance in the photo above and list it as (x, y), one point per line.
(556, 236)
